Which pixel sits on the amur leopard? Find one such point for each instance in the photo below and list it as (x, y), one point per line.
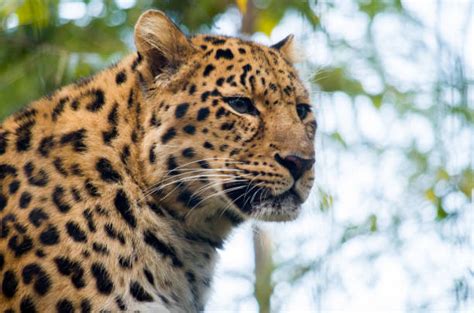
(116, 191)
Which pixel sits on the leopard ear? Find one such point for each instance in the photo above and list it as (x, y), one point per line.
(161, 42)
(286, 47)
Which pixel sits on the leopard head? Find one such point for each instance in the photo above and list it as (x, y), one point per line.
(228, 128)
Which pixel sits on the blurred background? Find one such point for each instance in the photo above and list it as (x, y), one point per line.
(389, 226)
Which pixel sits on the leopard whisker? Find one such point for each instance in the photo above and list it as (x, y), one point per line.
(214, 195)
(187, 178)
(244, 194)
(254, 187)
(211, 185)
(192, 178)
(206, 159)
(231, 202)
(264, 193)
(158, 187)
(194, 171)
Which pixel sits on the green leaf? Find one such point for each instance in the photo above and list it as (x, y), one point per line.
(442, 174)
(34, 12)
(266, 21)
(336, 79)
(441, 214)
(327, 201)
(464, 111)
(466, 183)
(431, 196)
(373, 223)
(336, 136)
(377, 100)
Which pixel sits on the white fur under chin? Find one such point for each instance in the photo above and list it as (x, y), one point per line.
(151, 307)
(287, 209)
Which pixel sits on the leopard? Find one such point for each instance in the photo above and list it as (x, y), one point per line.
(118, 191)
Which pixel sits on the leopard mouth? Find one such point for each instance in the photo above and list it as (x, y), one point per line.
(258, 202)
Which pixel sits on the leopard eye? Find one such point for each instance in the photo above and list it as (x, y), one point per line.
(242, 105)
(303, 109)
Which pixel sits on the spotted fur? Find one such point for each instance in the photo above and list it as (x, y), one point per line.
(116, 191)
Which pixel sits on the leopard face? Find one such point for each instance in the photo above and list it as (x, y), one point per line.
(232, 131)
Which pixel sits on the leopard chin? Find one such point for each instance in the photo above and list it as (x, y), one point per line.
(281, 209)
(259, 204)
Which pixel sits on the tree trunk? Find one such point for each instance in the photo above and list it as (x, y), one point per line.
(263, 288)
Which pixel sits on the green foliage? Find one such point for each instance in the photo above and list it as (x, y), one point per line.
(268, 18)
(366, 228)
(46, 50)
(374, 7)
(336, 79)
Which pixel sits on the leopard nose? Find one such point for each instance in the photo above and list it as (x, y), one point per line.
(296, 166)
